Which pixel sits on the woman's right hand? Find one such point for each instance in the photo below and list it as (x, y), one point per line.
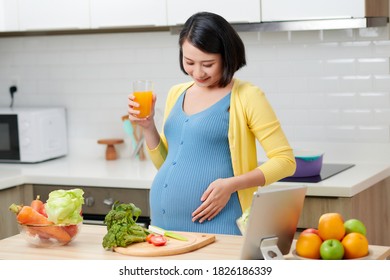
(152, 136)
(133, 112)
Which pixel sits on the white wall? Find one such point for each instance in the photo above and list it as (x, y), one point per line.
(331, 89)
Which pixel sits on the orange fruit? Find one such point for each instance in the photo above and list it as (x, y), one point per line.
(331, 226)
(355, 245)
(308, 245)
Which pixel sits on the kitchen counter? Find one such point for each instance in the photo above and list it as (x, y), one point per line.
(362, 191)
(126, 173)
(88, 246)
(97, 172)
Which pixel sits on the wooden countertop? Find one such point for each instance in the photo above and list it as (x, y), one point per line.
(88, 246)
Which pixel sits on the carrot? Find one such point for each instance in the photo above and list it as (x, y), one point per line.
(53, 231)
(33, 232)
(26, 215)
(38, 205)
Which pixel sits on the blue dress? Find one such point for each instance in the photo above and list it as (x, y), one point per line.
(198, 154)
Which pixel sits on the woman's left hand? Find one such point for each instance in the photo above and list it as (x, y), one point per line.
(214, 199)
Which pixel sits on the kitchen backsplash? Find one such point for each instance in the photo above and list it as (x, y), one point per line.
(330, 89)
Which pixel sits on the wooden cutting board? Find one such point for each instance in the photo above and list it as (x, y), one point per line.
(173, 246)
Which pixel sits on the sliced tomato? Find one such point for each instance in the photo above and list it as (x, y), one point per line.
(158, 240)
(148, 238)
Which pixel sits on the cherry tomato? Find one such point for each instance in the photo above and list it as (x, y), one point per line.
(158, 240)
(148, 238)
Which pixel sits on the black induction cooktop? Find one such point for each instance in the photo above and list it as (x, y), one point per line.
(328, 170)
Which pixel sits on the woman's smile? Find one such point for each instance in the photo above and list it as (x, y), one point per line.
(200, 81)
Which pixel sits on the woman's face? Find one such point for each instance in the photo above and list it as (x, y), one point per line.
(204, 68)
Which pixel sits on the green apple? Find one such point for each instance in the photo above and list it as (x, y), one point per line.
(354, 225)
(332, 249)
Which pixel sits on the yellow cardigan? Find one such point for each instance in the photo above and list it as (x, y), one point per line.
(251, 118)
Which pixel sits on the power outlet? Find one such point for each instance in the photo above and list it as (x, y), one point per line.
(13, 88)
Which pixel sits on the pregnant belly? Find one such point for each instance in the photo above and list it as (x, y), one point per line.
(176, 197)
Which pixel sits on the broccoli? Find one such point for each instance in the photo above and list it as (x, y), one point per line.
(122, 229)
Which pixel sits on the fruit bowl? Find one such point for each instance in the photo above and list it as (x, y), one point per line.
(49, 235)
(298, 257)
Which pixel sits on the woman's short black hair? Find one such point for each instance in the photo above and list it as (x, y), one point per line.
(211, 33)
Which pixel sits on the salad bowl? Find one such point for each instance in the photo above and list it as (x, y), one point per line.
(49, 235)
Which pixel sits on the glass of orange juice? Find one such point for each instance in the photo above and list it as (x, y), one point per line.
(143, 93)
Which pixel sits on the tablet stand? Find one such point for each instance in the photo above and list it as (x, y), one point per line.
(269, 248)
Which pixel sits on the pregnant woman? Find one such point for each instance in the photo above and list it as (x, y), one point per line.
(206, 151)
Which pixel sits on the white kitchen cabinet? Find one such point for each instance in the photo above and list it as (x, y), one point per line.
(53, 14)
(243, 11)
(8, 15)
(289, 10)
(127, 13)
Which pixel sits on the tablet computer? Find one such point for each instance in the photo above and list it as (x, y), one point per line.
(272, 222)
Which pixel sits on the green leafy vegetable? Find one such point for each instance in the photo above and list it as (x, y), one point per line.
(243, 220)
(64, 206)
(122, 229)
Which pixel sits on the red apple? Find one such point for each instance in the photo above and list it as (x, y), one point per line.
(311, 230)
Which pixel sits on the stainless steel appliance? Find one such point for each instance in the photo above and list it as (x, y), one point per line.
(98, 201)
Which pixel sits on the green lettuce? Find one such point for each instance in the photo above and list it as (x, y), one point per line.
(243, 220)
(64, 206)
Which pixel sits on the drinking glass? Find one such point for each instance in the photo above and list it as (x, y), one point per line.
(143, 93)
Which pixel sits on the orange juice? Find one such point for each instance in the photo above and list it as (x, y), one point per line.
(144, 99)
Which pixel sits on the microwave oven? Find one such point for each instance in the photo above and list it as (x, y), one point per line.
(30, 135)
